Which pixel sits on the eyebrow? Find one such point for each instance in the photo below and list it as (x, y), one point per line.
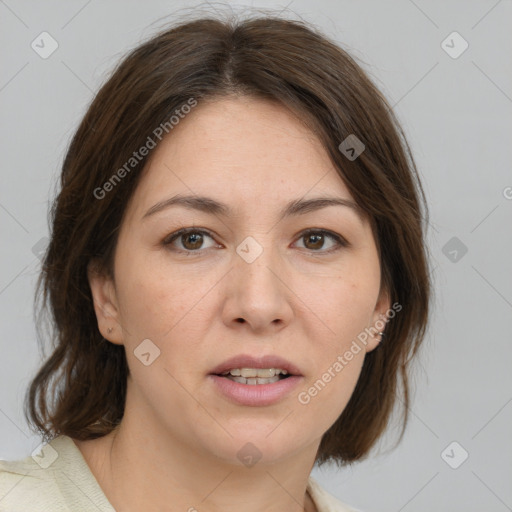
(214, 207)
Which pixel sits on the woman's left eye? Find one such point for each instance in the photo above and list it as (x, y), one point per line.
(316, 238)
(192, 240)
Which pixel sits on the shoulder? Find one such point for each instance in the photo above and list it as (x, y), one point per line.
(55, 478)
(25, 485)
(326, 502)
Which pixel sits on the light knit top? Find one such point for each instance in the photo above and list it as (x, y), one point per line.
(59, 480)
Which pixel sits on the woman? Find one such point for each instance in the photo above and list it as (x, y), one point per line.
(236, 275)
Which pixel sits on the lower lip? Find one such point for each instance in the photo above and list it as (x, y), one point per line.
(257, 394)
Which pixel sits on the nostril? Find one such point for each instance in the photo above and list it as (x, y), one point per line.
(240, 320)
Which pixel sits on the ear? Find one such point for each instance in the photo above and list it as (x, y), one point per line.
(379, 320)
(105, 303)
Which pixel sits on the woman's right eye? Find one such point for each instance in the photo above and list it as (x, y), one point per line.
(190, 239)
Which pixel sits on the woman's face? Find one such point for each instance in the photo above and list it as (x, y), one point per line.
(243, 281)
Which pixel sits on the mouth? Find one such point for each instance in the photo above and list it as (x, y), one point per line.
(256, 381)
(253, 371)
(255, 376)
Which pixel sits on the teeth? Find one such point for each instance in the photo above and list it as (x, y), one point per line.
(255, 373)
(253, 381)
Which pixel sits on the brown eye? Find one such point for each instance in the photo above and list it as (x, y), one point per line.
(187, 240)
(192, 241)
(315, 240)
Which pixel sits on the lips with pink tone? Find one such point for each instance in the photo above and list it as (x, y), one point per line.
(255, 394)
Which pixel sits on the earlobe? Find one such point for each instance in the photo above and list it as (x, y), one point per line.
(105, 304)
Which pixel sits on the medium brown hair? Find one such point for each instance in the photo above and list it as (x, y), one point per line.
(264, 57)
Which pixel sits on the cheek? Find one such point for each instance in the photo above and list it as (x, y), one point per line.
(347, 305)
(150, 297)
(170, 308)
(325, 396)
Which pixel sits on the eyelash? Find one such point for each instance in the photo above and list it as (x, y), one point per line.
(340, 241)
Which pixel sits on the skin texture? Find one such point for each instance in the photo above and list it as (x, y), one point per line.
(178, 441)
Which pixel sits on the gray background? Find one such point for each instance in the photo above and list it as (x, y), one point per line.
(455, 112)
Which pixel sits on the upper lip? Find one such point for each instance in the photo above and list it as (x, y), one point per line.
(248, 361)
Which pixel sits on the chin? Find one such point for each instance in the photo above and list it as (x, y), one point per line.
(256, 446)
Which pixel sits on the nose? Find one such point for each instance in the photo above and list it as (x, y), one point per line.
(258, 295)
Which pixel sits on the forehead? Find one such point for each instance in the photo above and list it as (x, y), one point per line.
(245, 151)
